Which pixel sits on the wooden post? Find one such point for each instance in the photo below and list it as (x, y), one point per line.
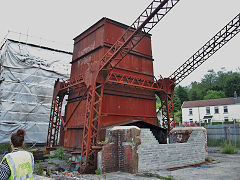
(229, 136)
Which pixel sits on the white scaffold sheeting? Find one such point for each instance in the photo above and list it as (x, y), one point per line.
(27, 77)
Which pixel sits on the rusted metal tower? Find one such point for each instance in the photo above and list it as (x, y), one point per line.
(112, 82)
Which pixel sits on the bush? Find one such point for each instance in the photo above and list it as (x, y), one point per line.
(5, 147)
(228, 149)
(59, 154)
(98, 171)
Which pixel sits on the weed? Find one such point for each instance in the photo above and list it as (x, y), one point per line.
(228, 149)
(59, 154)
(98, 171)
(219, 142)
(48, 171)
(43, 148)
(208, 159)
(149, 175)
(105, 142)
(40, 169)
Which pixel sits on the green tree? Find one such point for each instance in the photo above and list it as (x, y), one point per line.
(181, 93)
(178, 116)
(209, 79)
(232, 84)
(212, 94)
(195, 91)
(176, 103)
(158, 102)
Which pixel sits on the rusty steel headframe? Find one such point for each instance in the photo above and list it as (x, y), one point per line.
(106, 75)
(130, 38)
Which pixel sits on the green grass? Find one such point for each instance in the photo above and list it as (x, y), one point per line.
(228, 149)
(159, 177)
(220, 142)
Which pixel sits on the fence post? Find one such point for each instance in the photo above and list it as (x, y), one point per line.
(229, 136)
(235, 134)
(225, 132)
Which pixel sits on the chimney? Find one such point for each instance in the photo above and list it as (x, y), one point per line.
(235, 95)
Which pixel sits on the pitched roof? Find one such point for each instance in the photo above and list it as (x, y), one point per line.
(211, 102)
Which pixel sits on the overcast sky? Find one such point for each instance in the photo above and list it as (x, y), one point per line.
(186, 28)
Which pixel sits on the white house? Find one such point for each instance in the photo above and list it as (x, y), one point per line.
(212, 110)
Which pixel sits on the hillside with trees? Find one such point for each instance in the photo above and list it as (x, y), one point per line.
(213, 85)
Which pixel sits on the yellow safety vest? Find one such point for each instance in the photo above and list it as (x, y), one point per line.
(21, 164)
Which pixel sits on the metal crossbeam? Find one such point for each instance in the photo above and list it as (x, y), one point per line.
(212, 46)
(135, 81)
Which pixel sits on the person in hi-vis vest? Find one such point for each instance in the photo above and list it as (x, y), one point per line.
(18, 164)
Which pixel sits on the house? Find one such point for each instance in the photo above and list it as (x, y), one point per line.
(27, 76)
(212, 110)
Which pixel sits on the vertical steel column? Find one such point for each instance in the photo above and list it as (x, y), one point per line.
(167, 111)
(55, 121)
(92, 123)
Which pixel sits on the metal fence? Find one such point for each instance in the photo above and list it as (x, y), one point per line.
(227, 132)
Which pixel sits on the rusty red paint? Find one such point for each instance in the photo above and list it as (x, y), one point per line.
(120, 103)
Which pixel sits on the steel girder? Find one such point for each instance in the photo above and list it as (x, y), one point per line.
(212, 46)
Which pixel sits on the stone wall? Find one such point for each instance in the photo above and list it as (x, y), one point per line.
(130, 149)
(153, 156)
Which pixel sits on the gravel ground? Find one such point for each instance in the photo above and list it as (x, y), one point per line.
(223, 167)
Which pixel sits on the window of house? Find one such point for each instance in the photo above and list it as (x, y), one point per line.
(225, 109)
(190, 112)
(216, 110)
(225, 119)
(207, 110)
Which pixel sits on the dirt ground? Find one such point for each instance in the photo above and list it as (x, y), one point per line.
(222, 167)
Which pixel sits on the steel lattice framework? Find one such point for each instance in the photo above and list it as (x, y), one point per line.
(212, 46)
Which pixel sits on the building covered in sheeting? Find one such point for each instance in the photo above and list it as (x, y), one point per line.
(27, 76)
